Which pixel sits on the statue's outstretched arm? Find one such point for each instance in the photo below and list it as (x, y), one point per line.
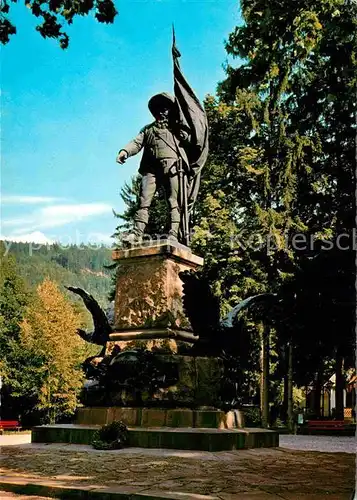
(134, 146)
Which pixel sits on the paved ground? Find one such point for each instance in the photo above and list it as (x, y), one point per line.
(15, 438)
(262, 474)
(4, 494)
(329, 444)
(332, 444)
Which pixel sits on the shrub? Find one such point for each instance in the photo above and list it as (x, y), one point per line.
(252, 417)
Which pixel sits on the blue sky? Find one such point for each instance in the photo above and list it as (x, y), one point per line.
(65, 114)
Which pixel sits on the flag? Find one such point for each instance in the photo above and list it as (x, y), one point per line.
(193, 116)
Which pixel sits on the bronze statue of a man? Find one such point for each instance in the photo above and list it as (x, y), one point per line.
(163, 143)
(175, 149)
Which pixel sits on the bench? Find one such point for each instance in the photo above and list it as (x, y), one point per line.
(6, 425)
(326, 425)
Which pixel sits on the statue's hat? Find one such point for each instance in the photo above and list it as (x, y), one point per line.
(159, 100)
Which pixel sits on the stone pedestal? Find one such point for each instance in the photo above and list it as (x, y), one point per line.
(181, 382)
(148, 287)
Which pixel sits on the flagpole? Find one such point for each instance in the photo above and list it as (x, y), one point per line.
(184, 223)
(192, 115)
(185, 212)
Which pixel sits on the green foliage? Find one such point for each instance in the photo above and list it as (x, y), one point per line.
(113, 436)
(13, 299)
(49, 331)
(282, 160)
(252, 417)
(18, 371)
(41, 354)
(54, 14)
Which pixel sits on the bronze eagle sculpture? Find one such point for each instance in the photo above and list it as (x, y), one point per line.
(212, 334)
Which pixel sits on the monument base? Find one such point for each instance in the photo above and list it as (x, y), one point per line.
(181, 429)
(160, 417)
(165, 437)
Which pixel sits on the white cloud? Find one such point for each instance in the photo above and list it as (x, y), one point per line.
(76, 211)
(35, 237)
(27, 200)
(55, 216)
(20, 221)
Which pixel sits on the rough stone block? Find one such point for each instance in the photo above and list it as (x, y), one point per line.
(130, 416)
(99, 416)
(191, 389)
(160, 417)
(210, 419)
(84, 416)
(208, 374)
(110, 417)
(184, 391)
(148, 286)
(179, 418)
(152, 417)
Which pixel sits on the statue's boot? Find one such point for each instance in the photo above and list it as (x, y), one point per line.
(136, 235)
(174, 230)
(139, 228)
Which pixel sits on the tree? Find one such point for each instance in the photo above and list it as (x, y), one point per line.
(54, 15)
(39, 350)
(15, 297)
(300, 65)
(49, 332)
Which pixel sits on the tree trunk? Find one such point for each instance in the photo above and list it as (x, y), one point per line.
(290, 389)
(316, 403)
(264, 385)
(284, 414)
(307, 405)
(340, 385)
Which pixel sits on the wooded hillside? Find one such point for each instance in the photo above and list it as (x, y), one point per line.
(82, 266)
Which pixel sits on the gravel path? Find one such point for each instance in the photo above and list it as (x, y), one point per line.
(329, 444)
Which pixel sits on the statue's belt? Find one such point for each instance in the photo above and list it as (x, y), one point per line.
(160, 167)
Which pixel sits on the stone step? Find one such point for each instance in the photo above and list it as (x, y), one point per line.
(164, 437)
